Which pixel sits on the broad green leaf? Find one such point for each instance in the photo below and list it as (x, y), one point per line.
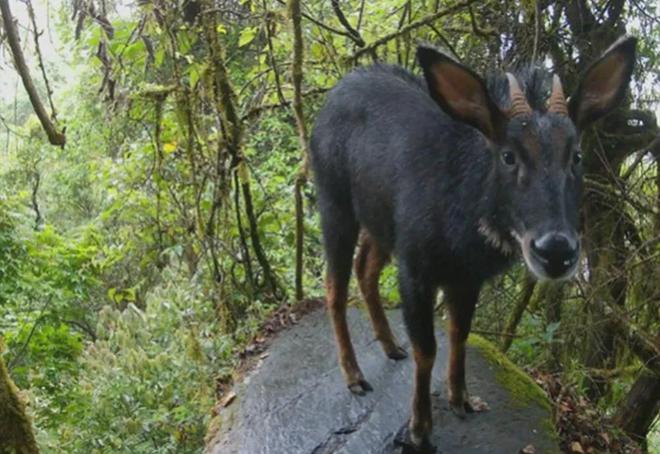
(247, 36)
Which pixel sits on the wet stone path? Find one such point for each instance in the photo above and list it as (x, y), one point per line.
(295, 401)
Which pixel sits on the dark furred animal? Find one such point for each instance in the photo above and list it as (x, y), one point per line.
(452, 175)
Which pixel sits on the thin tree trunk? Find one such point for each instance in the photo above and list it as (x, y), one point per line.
(353, 33)
(233, 131)
(158, 179)
(606, 250)
(271, 52)
(55, 137)
(554, 297)
(640, 343)
(247, 260)
(269, 277)
(37, 48)
(35, 200)
(656, 223)
(529, 284)
(300, 237)
(301, 178)
(605, 242)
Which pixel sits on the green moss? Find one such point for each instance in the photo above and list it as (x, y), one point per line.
(15, 426)
(523, 389)
(225, 418)
(213, 429)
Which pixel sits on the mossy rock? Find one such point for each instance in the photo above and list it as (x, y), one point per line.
(523, 389)
(297, 400)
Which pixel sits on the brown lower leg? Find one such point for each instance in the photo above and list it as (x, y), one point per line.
(456, 372)
(336, 297)
(461, 307)
(421, 422)
(369, 263)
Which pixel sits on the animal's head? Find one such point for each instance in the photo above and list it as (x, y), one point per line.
(537, 161)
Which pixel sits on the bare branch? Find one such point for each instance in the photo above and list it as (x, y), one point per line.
(254, 112)
(322, 25)
(653, 148)
(37, 47)
(55, 137)
(355, 35)
(640, 343)
(10, 129)
(412, 26)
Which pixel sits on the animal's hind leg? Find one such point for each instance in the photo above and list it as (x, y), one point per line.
(340, 234)
(369, 263)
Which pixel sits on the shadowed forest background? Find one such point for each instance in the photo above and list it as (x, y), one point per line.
(156, 208)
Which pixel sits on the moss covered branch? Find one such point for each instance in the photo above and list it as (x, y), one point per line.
(297, 76)
(15, 426)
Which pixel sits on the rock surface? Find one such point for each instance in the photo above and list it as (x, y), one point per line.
(296, 401)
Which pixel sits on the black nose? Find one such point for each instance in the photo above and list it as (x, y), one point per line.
(556, 251)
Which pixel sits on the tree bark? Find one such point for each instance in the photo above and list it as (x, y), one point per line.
(639, 408)
(55, 137)
(353, 33)
(301, 177)
(37, 48)
(529, 284)
(15, 427)
(554, 297)
(233, 131)
(604, 152)
(35, 200)
(247, 260)
(269, 276)
(656, 221)
(640, 343)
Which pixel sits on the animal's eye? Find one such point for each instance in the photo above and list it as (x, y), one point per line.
(508, 158)
(577, 158)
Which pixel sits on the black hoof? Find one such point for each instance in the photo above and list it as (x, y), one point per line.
(360, 388)
(472, 404)
(404, 440)
(397, 354)
(460, 409)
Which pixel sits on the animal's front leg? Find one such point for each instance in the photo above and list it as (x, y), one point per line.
(461, 301)
(417, 294)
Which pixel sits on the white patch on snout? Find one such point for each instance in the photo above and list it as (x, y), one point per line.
(494, 238)
(534, 267)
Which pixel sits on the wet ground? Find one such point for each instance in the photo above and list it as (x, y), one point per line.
(295, 401)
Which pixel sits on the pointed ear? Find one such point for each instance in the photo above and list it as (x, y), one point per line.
(461, 93)
(603, 85)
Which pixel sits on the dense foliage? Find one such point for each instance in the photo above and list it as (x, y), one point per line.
(137, 260)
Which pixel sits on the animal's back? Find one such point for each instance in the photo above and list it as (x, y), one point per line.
(377, 123)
